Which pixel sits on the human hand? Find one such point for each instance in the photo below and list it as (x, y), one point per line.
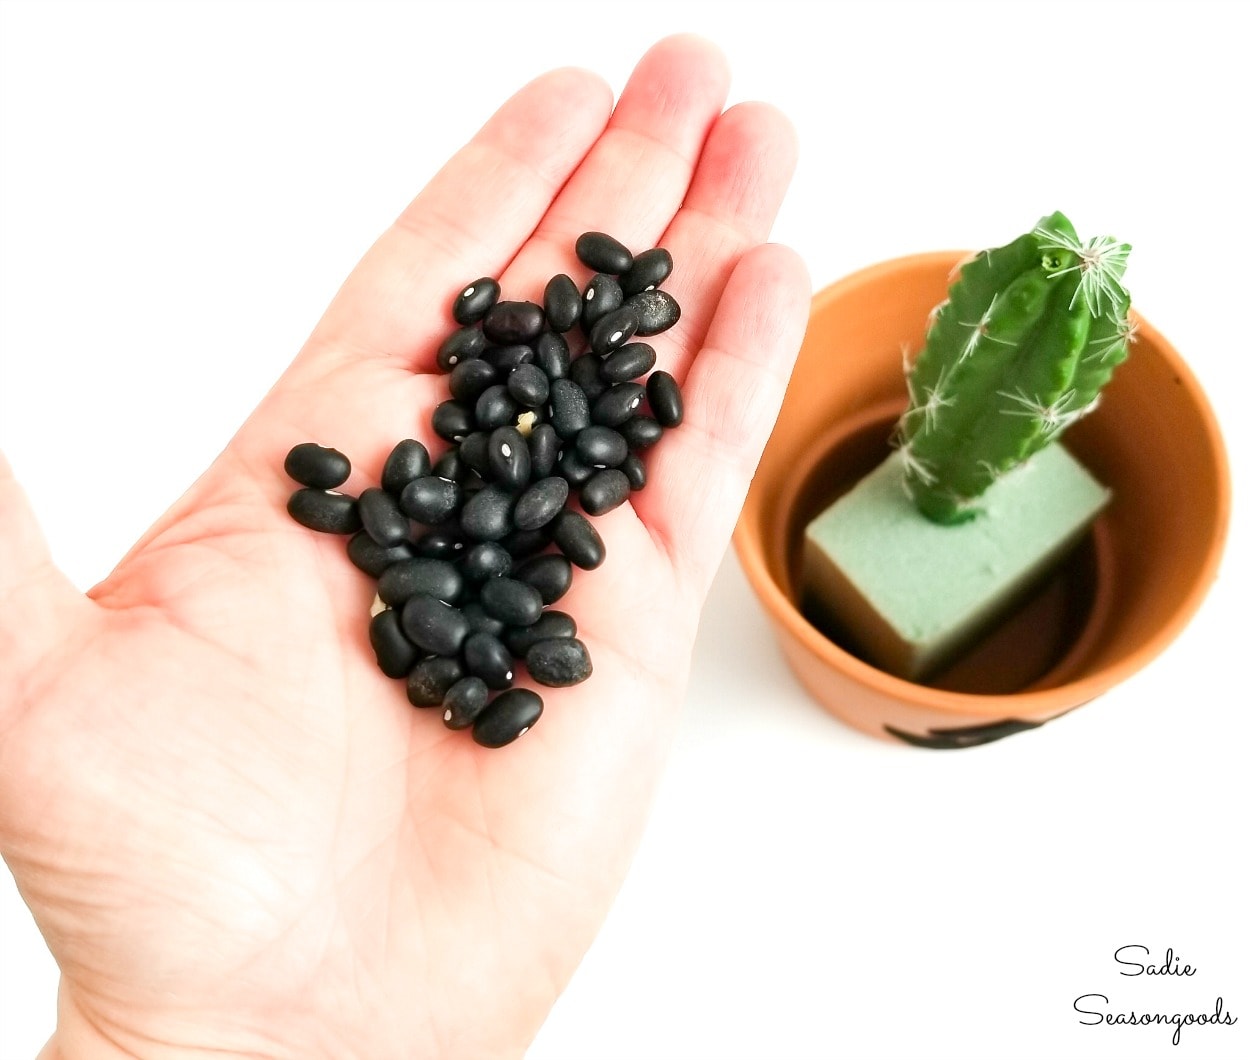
(235, 834)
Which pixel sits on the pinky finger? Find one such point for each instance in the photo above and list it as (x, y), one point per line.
(699, 473)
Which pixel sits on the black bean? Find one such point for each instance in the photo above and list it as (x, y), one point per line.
(430, 679)
(650, 269)
(562, 302)
(509, 322)
(381, 517)
(551, 575)
(487, 559)
(577, 539)
(475, 301)
(640, 432)
(452, 420)
(544, 447)
(550, 624)
(540, 503)
(407, 461)
(573, 469)
(606, 489)
(617, 404)
(602, 295)
(443, 543)
(510, 715)
(324, 510)
(587, 372)
(469, 378)
(486, 657)
(601, 446)
(551, 354)
(317, 466)
(509, 457)
(395, 653)
(506, 358)
(434, 625)
(432, 577)
(464, 702)
(430, 499)
(487, 515)
(635, 471)
(629, 362)
(462, 345)
(371, 557)
(529, 385)
(570, 411)
(474, 451)
(481, 622)
(450, 466)
(524, 543)
(613, 330)
(657, 311)
(495, 407)
(664, 396)
(559, 662)
(599, 251)
(511, 601)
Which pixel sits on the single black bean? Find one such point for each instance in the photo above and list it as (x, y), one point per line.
(573, 469)
(551, 575)
(495, 407)
(529, 385)
(409, 460)
(602, 295)
(613, 330)
(507, 358)
(559, 662)
(562, 303)
(469, 378)
(395, 653)
(577, 539)
(452, 420)
(430, 499)
(650, 269)
(462, 345)
(587, 372)
(464, 702)
(601, 446)
(433, 577)
(487, 559)
(664, 397)
(480, 621)
(381, 517)
(509, 322)
(508, 457)
(430, 679)
(551, 354)
(434, 625)
(550, 624)
(617, 404)
(599, 251)
(510, 715)
(606, 489)
(629, 362)
(544, 447)
(324, 510)
(450, 466)
(443, 543)
(372, 558)
(640, 432)
(657, 311)
(486, 657)
(522, 544)
(317, 466)
(512, 602)
(635, 471)
(474, 301)
(570, 411)
(540, 503)
(473, 451)
(487, 515)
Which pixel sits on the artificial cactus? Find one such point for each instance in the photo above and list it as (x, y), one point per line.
(1029, 335)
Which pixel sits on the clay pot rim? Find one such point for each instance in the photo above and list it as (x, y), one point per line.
(1036, 703)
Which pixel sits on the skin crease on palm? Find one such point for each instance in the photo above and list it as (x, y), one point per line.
(235, 834)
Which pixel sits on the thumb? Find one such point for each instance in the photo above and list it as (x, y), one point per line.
(37, 602)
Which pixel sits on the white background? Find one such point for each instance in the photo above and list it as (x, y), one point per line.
(182, 188)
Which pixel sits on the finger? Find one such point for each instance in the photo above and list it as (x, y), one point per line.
(466, 223)
(699, 473)
(634, 179)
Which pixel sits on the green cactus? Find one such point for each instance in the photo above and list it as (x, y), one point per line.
(1029, 335)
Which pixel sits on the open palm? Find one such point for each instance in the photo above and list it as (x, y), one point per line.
(233, 831)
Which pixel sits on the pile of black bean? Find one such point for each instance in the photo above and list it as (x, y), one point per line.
(471, 549)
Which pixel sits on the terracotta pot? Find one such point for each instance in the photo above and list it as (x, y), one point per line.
(1123, 596)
